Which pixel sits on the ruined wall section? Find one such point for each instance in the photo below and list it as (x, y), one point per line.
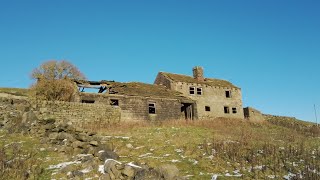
(77, 113)
(253, 114)
(137, 108)
(213, 97)
(162, 80)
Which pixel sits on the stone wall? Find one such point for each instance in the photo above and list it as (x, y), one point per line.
(11, 107)
(253, 114)
(137, 108)
(77, 113)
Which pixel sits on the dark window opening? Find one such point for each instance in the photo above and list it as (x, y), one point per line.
(88, 101)
(114, 102)
(199, 91)
(226, 110)
(152, 108)
(234, 110)
(207, 108)
(191, 90)
(228, 94)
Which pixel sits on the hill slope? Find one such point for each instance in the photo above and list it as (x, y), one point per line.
(227, 148)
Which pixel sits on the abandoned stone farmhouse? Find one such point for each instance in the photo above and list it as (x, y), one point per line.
(172, 96)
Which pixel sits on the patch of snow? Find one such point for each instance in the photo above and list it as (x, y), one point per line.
(166, 155)
(140, 147)
(178, 150)
(258, 167)
(85, 171)
(271, 176)
(83, 155)
(229, 175)
(133, 165)
(289, 176)
(194, 162)
(151, 150)
(236, 171)
(112, 160)
(63, 165)
(122, 137)
(101, 169)
(210, 157)
(175, 161)
(145, 155)
(214, 177)
(102, 151)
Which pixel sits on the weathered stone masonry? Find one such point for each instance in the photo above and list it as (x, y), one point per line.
(136, 107)
(77, 113)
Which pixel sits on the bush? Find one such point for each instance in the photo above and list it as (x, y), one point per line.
(55, 81)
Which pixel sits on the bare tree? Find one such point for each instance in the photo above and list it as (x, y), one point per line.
(54, 81)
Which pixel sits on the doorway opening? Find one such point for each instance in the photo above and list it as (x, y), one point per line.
(187, 111)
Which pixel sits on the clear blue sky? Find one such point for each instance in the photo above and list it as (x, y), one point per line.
(269, 48)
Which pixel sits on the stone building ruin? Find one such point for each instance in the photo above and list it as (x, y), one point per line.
(171, 97)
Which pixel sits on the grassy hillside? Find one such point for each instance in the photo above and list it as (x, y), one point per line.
(15, 91)
(228, 148)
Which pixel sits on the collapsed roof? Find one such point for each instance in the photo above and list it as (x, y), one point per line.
(190, 79)
(133, 89)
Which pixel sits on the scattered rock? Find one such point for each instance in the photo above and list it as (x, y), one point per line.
(78, 144)
(128, 171)
(148, 174)
(110, 168)
(169, 171)
(53, 136)
(107, 154)
(29, 117)
(129, 146)
(82, 137)
(94, 143)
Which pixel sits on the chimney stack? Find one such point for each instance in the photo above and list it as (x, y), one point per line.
(198, 73)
